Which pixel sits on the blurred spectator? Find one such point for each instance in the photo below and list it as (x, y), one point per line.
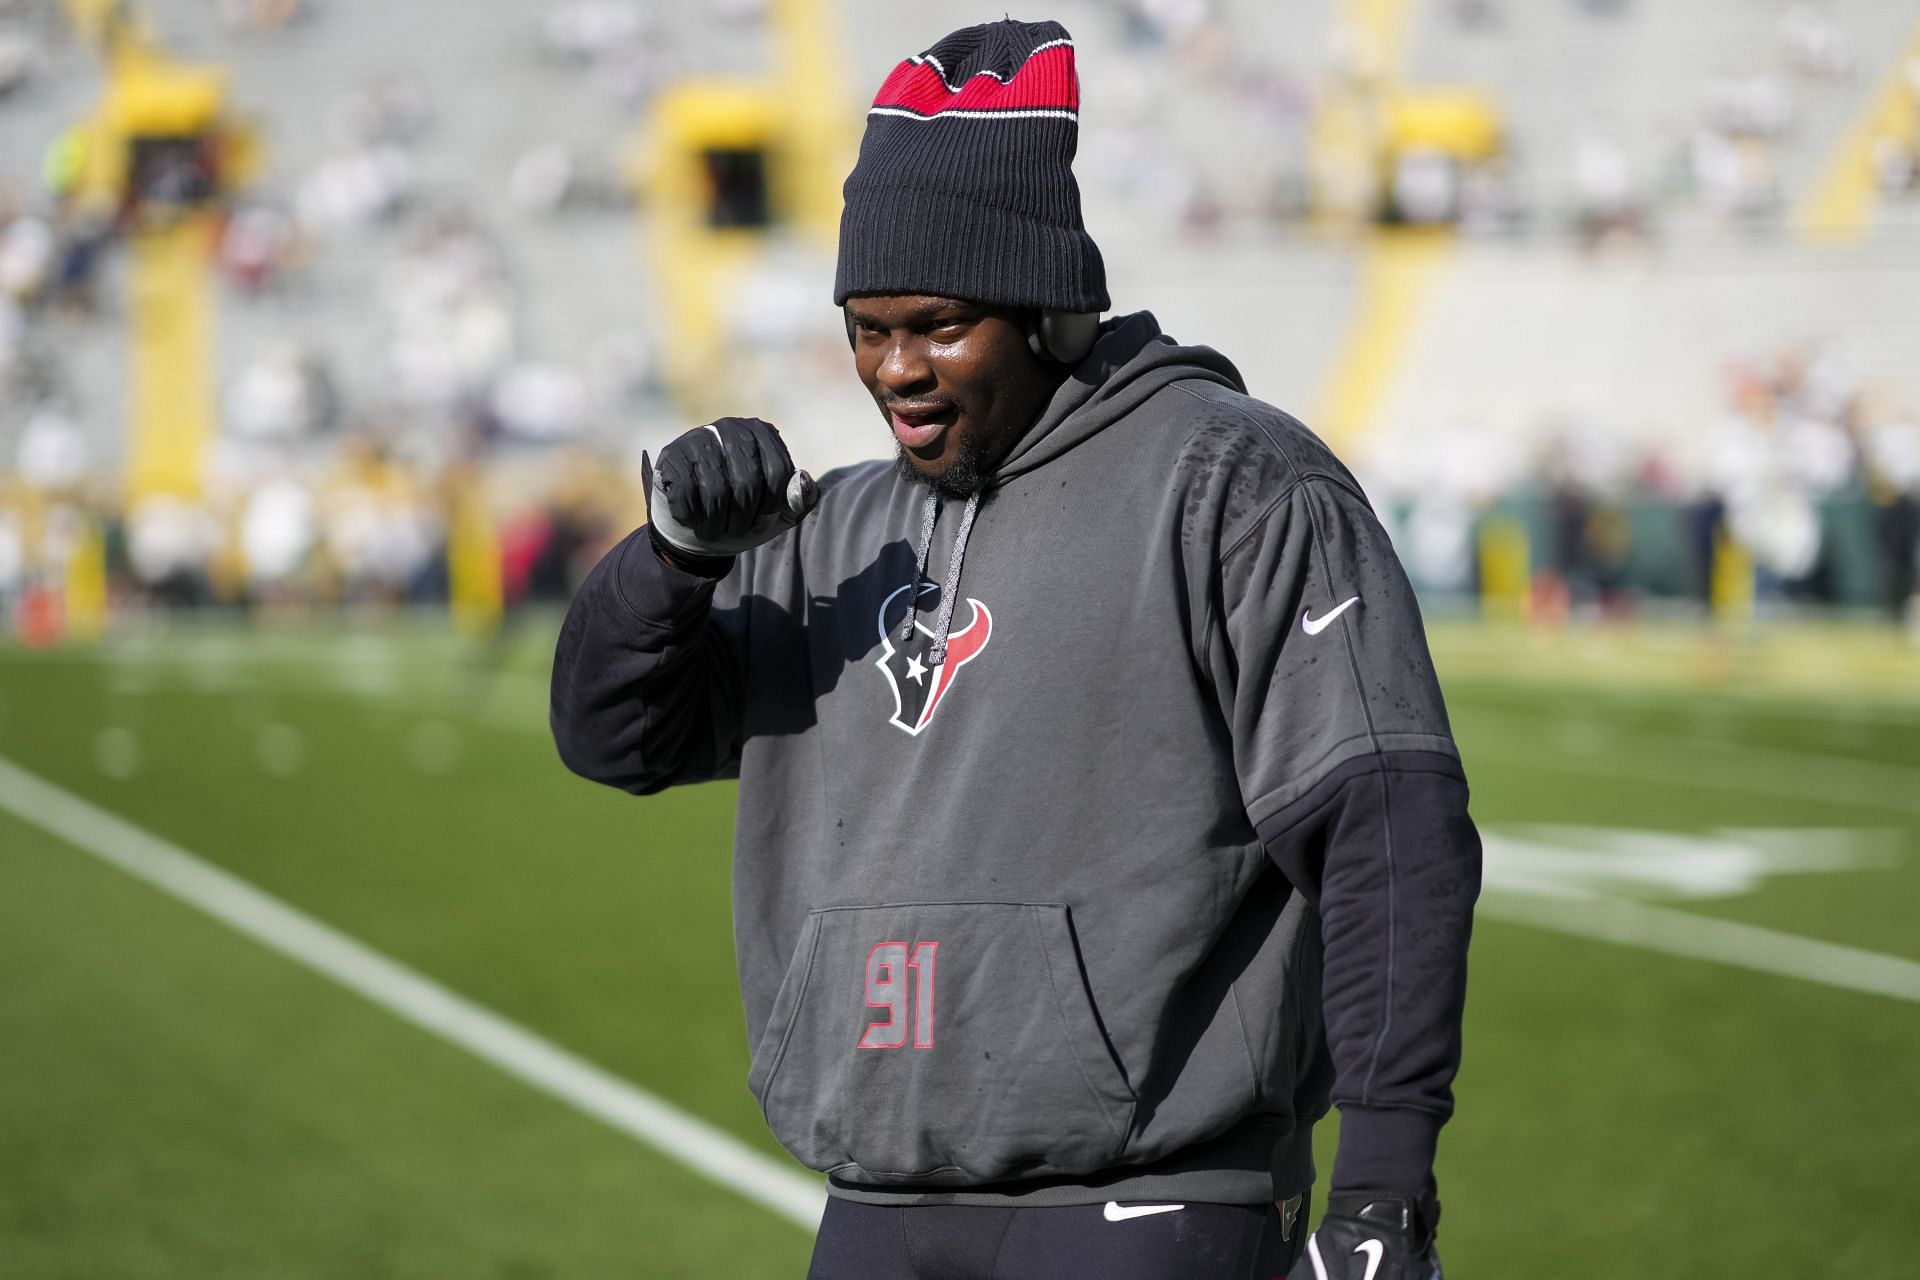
(52, 452)
(1898, 530)
(1490, 198)
(1892, 449)
(379, 534)
(1767, 510)
(1166, 22)
(1607, 198)
(278, 531)
(257, 242)
(260, 16)
(1749, 106)
(1586, 547)
(13, 336)
(1734, 175)
(1816, 46)
(450, 317)
(85, 237)
(365, 185)
(1896, 152)
(19, 58)
(285, 394)
(1896, 167)
(27, 256)
(539, 402)
(1731, 156)
(393, 111)
(592, 30)
(1893, 453)
(170, 546)
(1438, 542)
(13, 560)
(1426, 187)
(1475, 15)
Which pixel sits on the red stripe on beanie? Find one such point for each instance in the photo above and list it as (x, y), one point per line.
(984, 207)
(1045, 81)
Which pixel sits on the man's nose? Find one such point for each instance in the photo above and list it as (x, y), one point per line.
(904, 367)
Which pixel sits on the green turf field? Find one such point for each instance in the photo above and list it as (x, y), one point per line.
(178, 1100)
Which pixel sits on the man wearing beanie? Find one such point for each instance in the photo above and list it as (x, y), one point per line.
(1100, 824)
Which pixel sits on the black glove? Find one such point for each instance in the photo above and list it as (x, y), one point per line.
(1372, 1235)
(722, 489)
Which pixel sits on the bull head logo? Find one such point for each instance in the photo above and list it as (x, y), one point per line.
(918, 689)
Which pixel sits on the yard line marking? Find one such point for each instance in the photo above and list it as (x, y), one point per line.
(1697, 937)
(1876, 775)
(1841, 709)
(413, 997)
(1789, 759)
(1766, 770)
(1801, 706)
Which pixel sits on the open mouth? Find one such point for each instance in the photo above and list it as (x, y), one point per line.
(920, 428)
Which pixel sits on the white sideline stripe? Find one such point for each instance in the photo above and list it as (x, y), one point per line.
(1729, 942)
(412, 997)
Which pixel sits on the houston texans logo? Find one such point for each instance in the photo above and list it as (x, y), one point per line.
(918, 689)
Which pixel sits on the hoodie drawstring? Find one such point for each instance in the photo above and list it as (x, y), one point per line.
(937, 656)
(931, 514)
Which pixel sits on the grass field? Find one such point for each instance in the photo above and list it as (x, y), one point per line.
(178, 1100)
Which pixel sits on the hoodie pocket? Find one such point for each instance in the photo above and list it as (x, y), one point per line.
(944, 1042)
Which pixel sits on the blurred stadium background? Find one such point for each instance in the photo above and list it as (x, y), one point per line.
(331, 331)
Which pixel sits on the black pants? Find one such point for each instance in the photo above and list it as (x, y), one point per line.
(1069, 1242)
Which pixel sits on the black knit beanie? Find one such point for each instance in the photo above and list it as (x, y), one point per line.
(964, 186)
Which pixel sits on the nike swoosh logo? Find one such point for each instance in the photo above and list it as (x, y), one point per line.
(1116, 1212)
(1373, 1249)
(1314, 626)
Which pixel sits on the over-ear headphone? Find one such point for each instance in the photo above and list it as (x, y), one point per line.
(1063, 337)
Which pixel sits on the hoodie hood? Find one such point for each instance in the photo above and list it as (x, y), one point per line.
(1130, 361)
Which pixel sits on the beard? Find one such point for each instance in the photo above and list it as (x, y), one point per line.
(965, 476)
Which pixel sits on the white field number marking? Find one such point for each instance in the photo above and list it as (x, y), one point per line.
(1585, 881)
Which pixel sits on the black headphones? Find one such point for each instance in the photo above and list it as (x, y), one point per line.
(1064, 337)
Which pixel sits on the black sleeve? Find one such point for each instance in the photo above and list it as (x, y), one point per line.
(1352, 781)
(1385, 851)
(647, 692)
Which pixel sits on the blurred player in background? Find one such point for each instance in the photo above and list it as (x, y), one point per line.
(1100, 822)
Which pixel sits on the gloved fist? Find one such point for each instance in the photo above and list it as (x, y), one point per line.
(1371, 1235)
(724, 488)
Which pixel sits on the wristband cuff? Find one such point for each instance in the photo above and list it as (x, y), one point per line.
(651, 590)
(1386, 1147)
(697, 565)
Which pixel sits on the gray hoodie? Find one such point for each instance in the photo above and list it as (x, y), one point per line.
(1106, 900)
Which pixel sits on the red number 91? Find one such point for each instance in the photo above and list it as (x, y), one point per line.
(901, 983)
